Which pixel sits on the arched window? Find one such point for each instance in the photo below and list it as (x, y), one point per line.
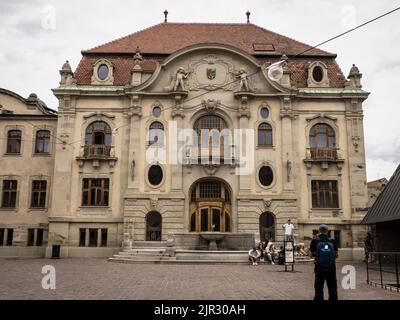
(322, 136)
(264, 134)
(211, 141)
(42, 144)
(156, 133)
(98, 133)
(322, 142)
(14, 141)
(97, 139)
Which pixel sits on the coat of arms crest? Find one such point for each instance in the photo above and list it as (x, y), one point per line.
(211, 73)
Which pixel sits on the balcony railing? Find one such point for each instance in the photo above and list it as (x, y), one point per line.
(210, 155)
(323, 153)
(97, 150)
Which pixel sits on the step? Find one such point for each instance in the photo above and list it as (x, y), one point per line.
(149, 244)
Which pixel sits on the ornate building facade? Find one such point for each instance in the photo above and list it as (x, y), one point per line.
(181, 130)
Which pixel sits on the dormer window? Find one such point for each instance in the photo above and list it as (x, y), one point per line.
(103, 73)
(318, 75)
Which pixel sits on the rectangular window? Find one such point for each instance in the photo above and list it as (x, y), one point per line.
(95, 192)
(324, 194)
(92, 237)
(42, 141)
(14, 141)
(210, 190)
(31, 237)
(104, 237)
(39, 237)
(39, 188)
(9, 199)
(1, 237)
(10, 235)
(82, 237)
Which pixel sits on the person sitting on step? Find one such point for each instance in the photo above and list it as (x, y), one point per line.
(254, 256)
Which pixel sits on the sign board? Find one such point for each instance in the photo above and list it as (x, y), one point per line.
(289, 252)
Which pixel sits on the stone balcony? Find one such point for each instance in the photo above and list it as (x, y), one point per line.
(96, 154)
(323, 157)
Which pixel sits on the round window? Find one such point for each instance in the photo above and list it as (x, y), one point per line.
(318, 74)
(266, 176)
(264, 112)
(102, 72)
(156, 112)
(155, 175)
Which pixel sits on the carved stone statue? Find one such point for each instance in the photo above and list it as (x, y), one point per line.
(244, 80)
(128, 234)
(133, 168)
(181, 74)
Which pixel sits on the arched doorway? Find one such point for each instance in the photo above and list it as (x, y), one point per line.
(210, 207)
(153, 226)
(267, 226)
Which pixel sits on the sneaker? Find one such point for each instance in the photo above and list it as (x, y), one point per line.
(272, 262)
(255, 263)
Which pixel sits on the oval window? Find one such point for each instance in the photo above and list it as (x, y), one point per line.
(156, 112)
(102, 72)
(264, 112)
(155, 175)
(266, 176)
(318, 74)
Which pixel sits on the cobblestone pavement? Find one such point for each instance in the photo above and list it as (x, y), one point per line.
(99, 279)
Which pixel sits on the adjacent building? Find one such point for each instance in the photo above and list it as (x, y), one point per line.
(182, 129)
(384, 216)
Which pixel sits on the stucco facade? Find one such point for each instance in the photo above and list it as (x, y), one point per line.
(221, 84)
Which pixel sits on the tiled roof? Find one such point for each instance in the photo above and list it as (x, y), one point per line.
(387, 205)
(166, 38)
(159, 41)
(122, 68)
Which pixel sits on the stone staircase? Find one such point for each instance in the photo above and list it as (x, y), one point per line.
(159, 252)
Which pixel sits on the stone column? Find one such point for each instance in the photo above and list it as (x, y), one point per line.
(244, 115)
(35, 232)
(99, 237)
(287, 116)
(87, 238)
(135, 114)
(176, 168)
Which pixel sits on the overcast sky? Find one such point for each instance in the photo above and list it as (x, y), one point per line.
(36, 37)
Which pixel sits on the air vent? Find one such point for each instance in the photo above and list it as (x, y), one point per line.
(263, 47)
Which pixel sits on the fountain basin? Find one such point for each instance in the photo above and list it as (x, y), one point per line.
(212, 237)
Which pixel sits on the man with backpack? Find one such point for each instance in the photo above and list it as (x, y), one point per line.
(325, 251)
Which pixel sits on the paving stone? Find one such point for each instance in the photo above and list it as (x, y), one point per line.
(99, 279)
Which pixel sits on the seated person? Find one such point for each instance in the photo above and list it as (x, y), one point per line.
(254, 255)
(260, 248)
(270, 252)
(301, 249)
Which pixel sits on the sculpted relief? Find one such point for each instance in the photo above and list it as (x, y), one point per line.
(210, 72)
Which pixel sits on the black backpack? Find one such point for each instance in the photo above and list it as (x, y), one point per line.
(325, 255)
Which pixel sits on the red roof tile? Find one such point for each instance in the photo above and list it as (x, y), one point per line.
(166, 38)
(122, 68)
